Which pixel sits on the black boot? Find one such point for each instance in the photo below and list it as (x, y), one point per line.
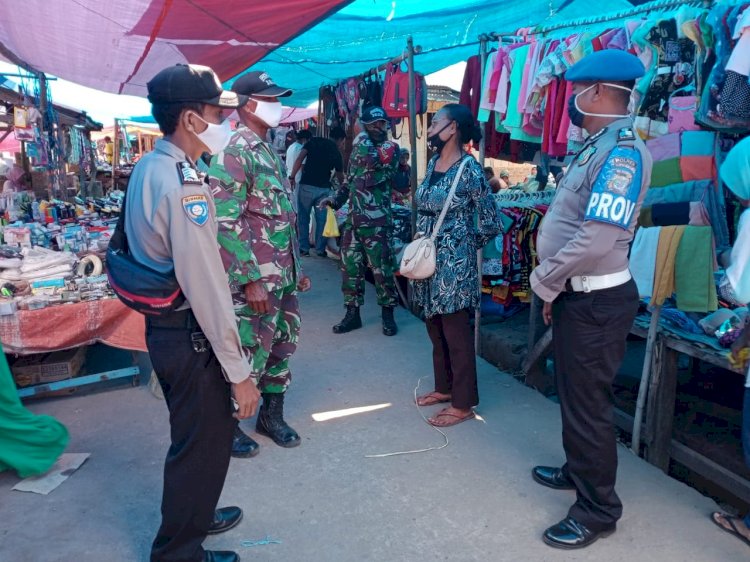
(271, 421)
(243, 446)
(389, 324)
(351, 321)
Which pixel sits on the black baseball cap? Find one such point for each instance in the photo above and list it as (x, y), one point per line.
(372, 114)
(191, 83)
(259, 84)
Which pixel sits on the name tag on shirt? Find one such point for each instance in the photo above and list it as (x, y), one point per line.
(615, 193)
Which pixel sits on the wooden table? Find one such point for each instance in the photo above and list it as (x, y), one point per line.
(658, 429)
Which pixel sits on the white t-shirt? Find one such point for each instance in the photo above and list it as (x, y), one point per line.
(291, 157)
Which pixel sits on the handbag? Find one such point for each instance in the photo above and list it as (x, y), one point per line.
(419, 259)
(139, 287)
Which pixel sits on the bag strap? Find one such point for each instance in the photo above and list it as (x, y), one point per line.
(449, 200)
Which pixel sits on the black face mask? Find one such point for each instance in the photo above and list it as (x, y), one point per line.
(435, 143)
(576, 117)
(377, 136)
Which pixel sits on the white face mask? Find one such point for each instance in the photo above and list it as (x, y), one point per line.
(269, 112)
(215, 137)
(610, 115)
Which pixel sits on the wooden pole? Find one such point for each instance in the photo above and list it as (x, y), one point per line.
(115, 153)
(482, 145)
(653, 329)
(94, 168)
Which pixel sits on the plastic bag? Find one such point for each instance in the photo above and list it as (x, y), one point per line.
(331, 229)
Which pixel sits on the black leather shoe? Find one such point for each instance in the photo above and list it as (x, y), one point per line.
(271, 421)
(243, 446)
(552, 477)
(221, 556)
(571, 534)
(225, 518)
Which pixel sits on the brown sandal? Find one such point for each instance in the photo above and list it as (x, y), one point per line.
(453, 419)
(732, 529)
(431, 398)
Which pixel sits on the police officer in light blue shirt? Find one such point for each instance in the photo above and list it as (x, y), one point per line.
(196, 351)
(589, 296)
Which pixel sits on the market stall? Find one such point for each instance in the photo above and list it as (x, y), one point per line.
(54, 294)
(52, 142)
(688, 108)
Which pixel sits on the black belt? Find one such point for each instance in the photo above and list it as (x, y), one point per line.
(179, 320)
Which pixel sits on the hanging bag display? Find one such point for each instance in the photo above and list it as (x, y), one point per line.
(420, 256)
(396, 92)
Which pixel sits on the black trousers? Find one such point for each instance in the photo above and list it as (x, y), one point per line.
(453, 358)
(590, 331)
(201, 422)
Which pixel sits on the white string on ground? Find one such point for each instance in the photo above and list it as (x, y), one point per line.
(443, 446)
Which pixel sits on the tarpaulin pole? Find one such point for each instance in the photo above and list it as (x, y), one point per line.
(413, 144)
(483, 63)
(482, 148)
(412, 133)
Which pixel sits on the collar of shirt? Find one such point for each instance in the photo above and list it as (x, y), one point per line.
(170, 149)
(614, 126)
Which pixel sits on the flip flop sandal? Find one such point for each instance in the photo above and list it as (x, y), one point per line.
(456, 419)
(729, 519)
(432, 396)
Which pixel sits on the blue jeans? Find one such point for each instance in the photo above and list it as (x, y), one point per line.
(309, 197)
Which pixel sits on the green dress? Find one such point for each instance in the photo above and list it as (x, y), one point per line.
(29, 444)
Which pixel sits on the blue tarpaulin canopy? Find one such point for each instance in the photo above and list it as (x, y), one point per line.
(367, 33)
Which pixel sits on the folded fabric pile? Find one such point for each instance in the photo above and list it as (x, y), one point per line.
(40, 264)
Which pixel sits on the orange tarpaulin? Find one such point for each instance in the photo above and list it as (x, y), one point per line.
(65, 326)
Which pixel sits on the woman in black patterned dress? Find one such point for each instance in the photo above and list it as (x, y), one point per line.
(449, 296)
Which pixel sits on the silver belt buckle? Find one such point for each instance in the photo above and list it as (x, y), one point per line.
(585, 284)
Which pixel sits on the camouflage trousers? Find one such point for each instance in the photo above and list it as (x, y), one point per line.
(362, 247)
(271, 339)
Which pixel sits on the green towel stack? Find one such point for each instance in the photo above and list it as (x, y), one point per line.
(695, 287)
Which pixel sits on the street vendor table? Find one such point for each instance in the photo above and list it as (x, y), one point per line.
(66, 326)
(661, 446)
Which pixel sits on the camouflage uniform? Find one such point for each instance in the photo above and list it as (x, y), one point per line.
(258, 241)
(367, 232)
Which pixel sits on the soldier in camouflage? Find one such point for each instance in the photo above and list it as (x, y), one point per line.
(259, 248)
(366, 237)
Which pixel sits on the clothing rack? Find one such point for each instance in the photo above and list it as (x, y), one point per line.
(396, 60)
(643, 9)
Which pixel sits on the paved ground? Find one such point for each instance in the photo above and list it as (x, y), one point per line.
(473, 500)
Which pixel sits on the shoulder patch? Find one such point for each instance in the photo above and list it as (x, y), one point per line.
(196, 208)
(188, 174)
(615, 193)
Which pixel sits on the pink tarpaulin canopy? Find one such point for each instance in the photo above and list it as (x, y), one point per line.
(295, 114)
(119, 46)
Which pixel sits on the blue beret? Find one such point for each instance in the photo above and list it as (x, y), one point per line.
(609, 64)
